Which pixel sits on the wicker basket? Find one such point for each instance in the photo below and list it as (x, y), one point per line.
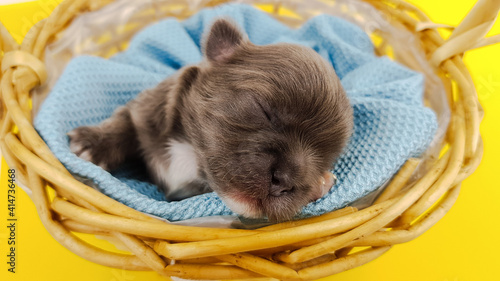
(300, 250)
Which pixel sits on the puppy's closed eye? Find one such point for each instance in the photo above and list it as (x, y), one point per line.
(267, 111)
(246, 110)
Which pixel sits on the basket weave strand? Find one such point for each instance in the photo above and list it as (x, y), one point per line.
(302, 250)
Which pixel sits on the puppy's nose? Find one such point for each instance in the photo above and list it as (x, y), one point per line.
(280, 184)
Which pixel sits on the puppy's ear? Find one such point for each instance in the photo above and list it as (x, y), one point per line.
(222, 40)
(175, 98)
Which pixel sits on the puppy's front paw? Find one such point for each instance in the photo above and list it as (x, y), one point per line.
(90, 144)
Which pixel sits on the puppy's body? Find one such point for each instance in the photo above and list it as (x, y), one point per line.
(260, 125)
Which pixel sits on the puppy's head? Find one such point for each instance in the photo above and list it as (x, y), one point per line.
(266, 122)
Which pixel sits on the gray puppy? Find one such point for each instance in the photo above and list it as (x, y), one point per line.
(259, 125)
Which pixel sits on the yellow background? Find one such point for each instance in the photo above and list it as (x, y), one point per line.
(464, 245)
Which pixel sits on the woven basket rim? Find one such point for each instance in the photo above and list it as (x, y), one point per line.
(307, 249)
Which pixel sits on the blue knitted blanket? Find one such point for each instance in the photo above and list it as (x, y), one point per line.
(391, 122)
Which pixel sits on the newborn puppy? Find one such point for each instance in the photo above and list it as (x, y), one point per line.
(259, 125)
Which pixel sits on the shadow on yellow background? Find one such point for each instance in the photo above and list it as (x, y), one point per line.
(462, 246)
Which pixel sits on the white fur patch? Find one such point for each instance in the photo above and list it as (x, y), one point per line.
(183, 165)
(242, 208)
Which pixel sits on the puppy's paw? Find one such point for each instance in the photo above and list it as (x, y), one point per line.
(325, 183)
(90, 144)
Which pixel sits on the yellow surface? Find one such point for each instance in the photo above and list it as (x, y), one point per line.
(462, 246)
